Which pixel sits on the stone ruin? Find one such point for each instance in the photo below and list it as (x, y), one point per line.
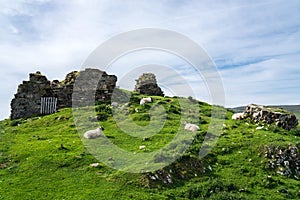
(27, 100)
(285, 160)
(268, 115)
(87, 89)
(90, 87)
(146, 84)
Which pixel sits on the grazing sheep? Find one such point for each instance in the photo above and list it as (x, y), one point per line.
(143, 147)
(145, 100)
(92, 134)
(238, 116)
(259, 127)
(191, 127)
(95, 164)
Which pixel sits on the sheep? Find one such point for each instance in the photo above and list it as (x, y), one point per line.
(238, 116)
(95, 164)
(92, 134)
(143, 147)
(190, 127)
(145, 100)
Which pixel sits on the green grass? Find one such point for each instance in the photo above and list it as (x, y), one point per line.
(44, 157)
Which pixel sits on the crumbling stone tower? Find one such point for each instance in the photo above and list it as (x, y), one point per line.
(146, 84)
(27, 99)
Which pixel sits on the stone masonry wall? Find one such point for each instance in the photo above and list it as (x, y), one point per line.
(27, 100)
(146, 84)
(88, 87)
(281, 118)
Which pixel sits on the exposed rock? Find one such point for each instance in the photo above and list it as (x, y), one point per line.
(186, 168)
(27, 100)
(285, 160)
(146, 84)
(279, 117)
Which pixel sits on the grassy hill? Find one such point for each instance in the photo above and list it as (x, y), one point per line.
(44, 157)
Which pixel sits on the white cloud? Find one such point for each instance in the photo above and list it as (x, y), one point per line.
(269, 82)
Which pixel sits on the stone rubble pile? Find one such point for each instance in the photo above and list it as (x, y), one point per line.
(286, 161)
(186, 168)
(268, 115)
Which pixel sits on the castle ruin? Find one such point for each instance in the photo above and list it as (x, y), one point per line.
(146, 84)
(38, 95)
(27, 100)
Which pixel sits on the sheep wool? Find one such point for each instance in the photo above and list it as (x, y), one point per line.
(191, 127)
(145, 100)
(92, 134)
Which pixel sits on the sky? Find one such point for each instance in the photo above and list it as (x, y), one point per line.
(255, 45)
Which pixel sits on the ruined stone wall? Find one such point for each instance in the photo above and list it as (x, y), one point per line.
(63, 90)
(89, 87)
(269, 115)
(27, 100)
(146, 84)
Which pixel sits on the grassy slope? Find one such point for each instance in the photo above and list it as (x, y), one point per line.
(34, 166)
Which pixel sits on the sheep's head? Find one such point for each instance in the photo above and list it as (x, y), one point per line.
(101, 128)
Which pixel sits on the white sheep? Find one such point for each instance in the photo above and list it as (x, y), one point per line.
(95, 164)
(143, 147)
(145, 100)
(238, 116)
(190, 127)
(92, 134)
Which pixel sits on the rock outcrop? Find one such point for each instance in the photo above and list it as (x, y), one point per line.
(269, 115)
(146, 84)
(184, 169)
(27, 100)
(285, 160)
